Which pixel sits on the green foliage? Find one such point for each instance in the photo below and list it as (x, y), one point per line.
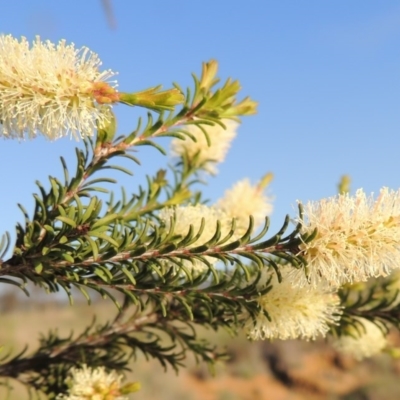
(374, 301)
(76, 240)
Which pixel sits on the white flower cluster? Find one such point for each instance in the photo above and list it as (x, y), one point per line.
(50, 89)
(358, 237)
(293, 312)
(193, 215)
(199, 152)
(235, 204)
(93, 384)
(186, 216)
(365, 342)
(243, 200)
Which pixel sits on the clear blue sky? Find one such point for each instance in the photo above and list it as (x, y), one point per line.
(326, 75)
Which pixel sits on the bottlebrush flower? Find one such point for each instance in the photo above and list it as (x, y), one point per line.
(52, 89)
(200, 153)
(193, 215)
(358, 237)
(365, 342)
(294, 312)
(89, 384)
(243, 200)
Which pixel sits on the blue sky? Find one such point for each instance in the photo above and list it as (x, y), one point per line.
(326, 75)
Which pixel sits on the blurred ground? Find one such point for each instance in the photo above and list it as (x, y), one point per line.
(290, 370)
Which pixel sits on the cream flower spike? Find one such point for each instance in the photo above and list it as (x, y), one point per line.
(207, 156)
(358, 237)
(193, 215)
(243, 200)
(55, 90)
(93, 384)
(294, 312)
(363, 343)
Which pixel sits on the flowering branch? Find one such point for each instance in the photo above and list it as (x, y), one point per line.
(178, 262)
